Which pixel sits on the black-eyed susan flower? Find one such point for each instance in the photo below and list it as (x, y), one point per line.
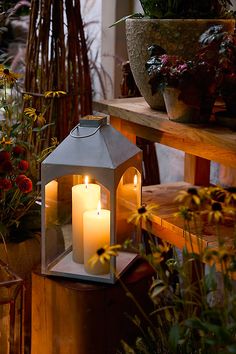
(36, 115)
(143, 214)
(104, 254)
(54, 141)
(190, 198)
(53, 94)
(215, 213)
(27, 97)
(8, 76)
(230, 198)
(6, 141)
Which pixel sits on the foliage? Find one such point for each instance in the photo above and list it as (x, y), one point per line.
(196, 79)
(193, 315)
(218, 47)
(21, 129)
(183, 9)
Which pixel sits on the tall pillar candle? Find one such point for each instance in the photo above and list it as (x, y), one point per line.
(96, 235)
(84, 197)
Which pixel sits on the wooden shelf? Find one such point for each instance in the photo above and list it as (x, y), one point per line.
(211, 142)
(201, 144)
(171, 228)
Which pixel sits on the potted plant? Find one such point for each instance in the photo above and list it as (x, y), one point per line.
(175, 26)
(188, 86)
(219, 47)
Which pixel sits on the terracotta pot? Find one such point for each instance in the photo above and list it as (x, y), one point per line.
(176, 36)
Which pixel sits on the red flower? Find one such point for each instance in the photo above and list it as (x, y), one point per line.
(23, 165)
(4, 156)
(5, 184)
(25, 185)
(19, 178)
(18, 150)
(6, 166)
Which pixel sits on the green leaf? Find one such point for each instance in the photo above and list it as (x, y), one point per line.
(174, 337)
(210, 279)
(136, 15)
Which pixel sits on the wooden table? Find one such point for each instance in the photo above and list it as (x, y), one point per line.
(201, 144)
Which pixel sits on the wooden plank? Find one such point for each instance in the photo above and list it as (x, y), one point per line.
(197, 170)
(170, 228)
(210, 142)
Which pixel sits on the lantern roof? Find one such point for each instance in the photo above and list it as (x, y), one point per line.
(92, 146)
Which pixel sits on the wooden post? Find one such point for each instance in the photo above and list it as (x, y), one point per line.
(72, 317)
(196, 170)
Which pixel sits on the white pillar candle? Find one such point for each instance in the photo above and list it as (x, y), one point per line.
(51, 193)
(84, 197)
(96, 235)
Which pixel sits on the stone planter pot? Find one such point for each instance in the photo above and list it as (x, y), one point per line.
(177, 110)
(176, 36)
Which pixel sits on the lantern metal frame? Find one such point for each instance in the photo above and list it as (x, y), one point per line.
(92, 148)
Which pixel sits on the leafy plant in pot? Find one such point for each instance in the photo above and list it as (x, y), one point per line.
(188, 86)
(219, 48)
(175, 26)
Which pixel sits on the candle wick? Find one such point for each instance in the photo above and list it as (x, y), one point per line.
(98, 212)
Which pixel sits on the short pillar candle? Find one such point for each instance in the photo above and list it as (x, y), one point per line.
(96, 235)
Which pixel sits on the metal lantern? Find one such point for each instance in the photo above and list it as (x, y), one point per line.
(11, 312)
(90, 184)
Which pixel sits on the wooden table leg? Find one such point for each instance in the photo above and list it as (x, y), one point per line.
(196, 170)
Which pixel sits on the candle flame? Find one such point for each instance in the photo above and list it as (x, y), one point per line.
(99, 207)
(135, 181)
(86, 179)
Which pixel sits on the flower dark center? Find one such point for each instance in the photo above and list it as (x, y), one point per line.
(100, 251)
(142, 209)
(192, 191)
(216, 206)
(231, 189)
(6, 71)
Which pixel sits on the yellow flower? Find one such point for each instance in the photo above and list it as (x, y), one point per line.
(215, 214)
(230, 196)
(5, 141)
(222, 255)
(27, 97)
(159, 252)
(104, 254)
(143, 213)
(190, 198)
(54, 141)
(8, 76)
(52, 94)
(35, 114)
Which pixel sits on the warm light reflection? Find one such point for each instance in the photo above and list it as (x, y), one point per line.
(86, 180)
(135, 181)
(99, 207)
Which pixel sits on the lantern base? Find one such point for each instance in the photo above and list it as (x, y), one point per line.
(66, 267)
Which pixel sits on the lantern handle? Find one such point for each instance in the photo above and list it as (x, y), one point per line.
(82, 136)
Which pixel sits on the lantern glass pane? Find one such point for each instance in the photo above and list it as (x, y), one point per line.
(77, 224)
(128, 198)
